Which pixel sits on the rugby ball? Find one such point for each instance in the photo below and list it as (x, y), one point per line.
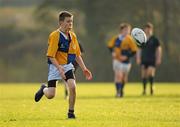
(139, 36)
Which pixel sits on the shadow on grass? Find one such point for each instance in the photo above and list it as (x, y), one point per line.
(36, 119)
(161, 96)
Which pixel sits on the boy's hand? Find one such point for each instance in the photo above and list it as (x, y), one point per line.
(123, 58)
(158, 62)
(138, 61)
(88, 74)
(61, 71)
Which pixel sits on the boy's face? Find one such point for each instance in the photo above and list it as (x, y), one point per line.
(148, 31)
(126, 31)
(67, 24)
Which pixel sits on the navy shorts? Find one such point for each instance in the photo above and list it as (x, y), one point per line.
(148, 64)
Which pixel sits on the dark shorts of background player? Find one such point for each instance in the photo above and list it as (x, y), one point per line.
(148, 64)
(69, 75)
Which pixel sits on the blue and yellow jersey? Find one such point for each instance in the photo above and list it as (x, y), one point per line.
(63, 49)
(125, 46)
(111, 43)
(114, 41)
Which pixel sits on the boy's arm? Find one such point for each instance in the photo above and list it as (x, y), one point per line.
(138, 56)
(52, 50)
(110, 44)
(59, 67)
(116, 54)
(158, 55)
(133, 48)
(86, 72)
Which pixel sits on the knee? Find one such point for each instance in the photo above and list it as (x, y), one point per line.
(51, 96)
(150, 74)
(71, 84)
(72, 88)
(119, 78)
(143, 75)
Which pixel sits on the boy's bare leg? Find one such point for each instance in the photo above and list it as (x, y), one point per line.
(72, 97)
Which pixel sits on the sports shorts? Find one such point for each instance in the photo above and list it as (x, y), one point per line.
(148, 64)
(119, 66)
(53, 73)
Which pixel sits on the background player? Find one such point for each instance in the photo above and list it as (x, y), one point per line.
(123, 48)
(149, 57)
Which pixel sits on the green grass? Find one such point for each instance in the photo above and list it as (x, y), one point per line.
(96, 106)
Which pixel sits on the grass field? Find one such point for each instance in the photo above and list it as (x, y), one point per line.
(96, 106)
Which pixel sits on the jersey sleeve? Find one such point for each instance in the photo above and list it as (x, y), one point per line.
(157, 42)
(52, 45)
(111, 43)
(133, 45)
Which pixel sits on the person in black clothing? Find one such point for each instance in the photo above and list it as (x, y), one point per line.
(149, 57)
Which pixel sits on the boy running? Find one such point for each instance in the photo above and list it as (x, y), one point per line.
(63, 50)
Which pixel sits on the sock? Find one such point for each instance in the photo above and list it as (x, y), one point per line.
(123, 85)
(122, 89)
(71, 111)
(151, 80)
(117, 86)
(144, 80)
